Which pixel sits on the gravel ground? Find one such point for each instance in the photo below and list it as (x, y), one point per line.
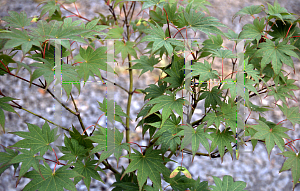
(255, 168)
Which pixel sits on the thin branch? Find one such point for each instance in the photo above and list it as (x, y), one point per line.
(78, 115)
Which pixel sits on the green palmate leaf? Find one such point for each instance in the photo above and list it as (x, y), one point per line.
(212, 118)
(28, 159)
(198, 21)
(86, 143)
(254, 107)
(148, 165)
(278, 53)
(128, 182)
(59, 30)
(155, 91)
(231, 116)
(203, 186)
(222, 139)
(168, 104)
(72, 150)
(253, 31)
(51, 181)
(88, 170)
(283, 91)
(249, 10)
(271, 135)
(211, 97)
(175, 74)
(93, 60)
(159, 39)
(145, 63)
(204, 70)
(69, 75)
(228, 184)
(95, 29)
(195, 137)
(7, 107)
(125, 49)
(292, 114)
(249, 69)
(17, 20)
(220, 53)
(168, 135)
(150, 3)
(37, 139)
(6, 157)
(50, 6)
(115, 33)
(278, 12)
(18, 37)
(104, 106)
(293, 163)
(180, 182)
(280, 29)
(109, 142)
(214, 42)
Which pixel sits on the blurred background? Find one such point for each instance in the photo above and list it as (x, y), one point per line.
(254, 168)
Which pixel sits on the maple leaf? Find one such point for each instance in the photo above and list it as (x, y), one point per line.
(211, 97)
(293, 163)
(249, 10)
(88, 170)
(110, 142)
(253, 31)
(168, 104)
(5, 159)
(213, 117)
(155, 91)
(127, 183)
(204, 70)
(198, 21)
(278, 12)
(227, 184)
(72, 150)
(59, 30)
(280, 29)
(214, 42)
(46, 70)
(115, 33)
(17, 20)
(180, 182)
(284, 90)
(148, 165)
(104, 106)
(278, 53)
(145, 64)
(221, 139)
(92, 25)
(150, 119)
(292, 114)
(51, 7)
(195, 137)
(150, 3)
(270, 134)
(18, 37)
(159, 39)
(93, 60)
(28, 159)
(37, 139)
(53, 181)
(175, 75)
(7, 107)
(168, 134)
(125, 49)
